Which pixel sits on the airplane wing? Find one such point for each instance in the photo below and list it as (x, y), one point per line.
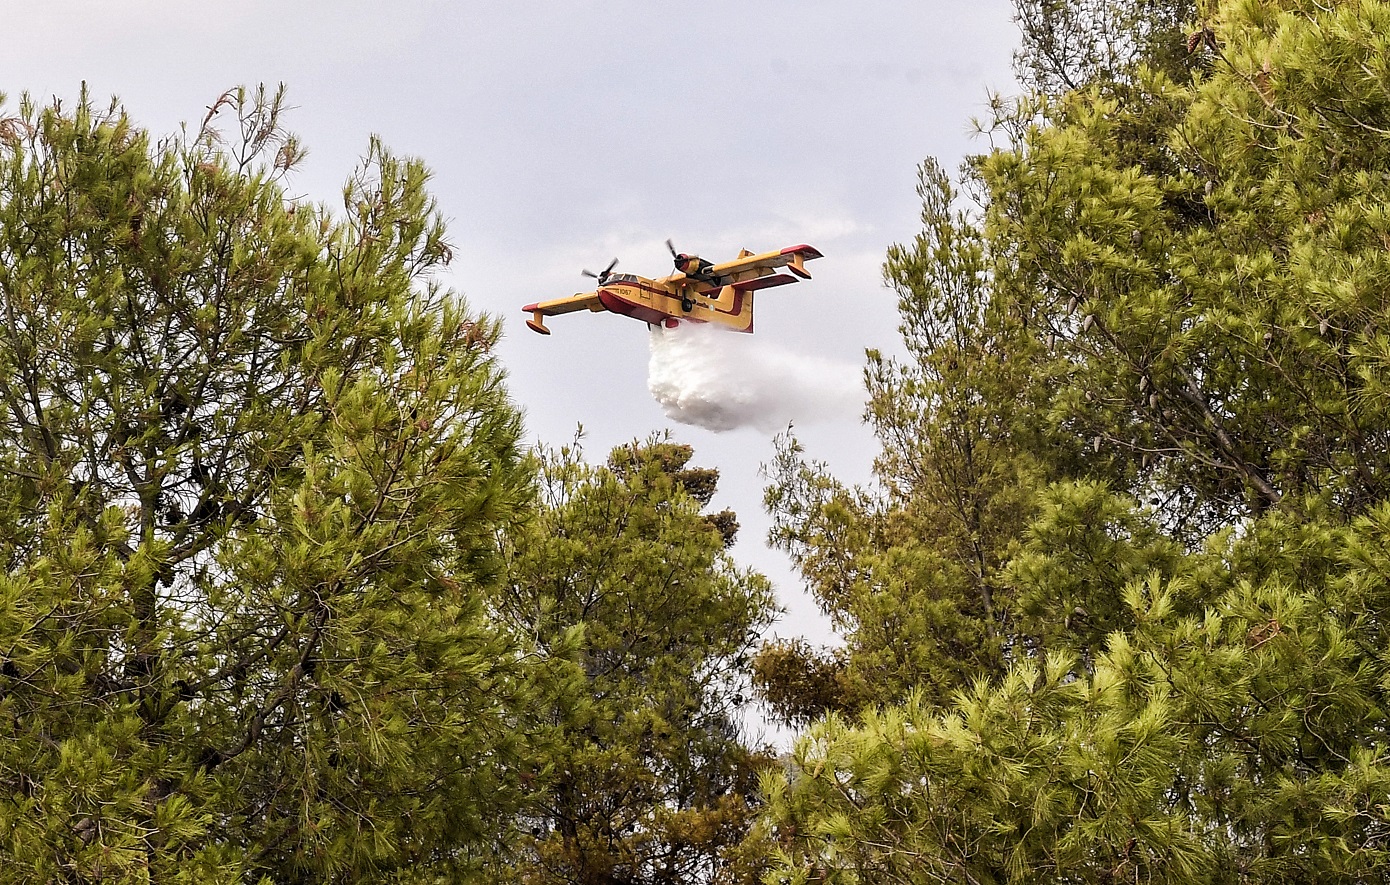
(748, 265)
(557, 306)
(754, 284)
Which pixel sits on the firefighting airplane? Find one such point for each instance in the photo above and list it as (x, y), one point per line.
(698, 291)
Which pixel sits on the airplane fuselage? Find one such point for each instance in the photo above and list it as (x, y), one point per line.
(659, 302)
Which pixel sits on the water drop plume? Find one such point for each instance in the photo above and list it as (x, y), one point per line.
(707, 377)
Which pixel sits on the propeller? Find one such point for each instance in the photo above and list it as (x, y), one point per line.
(602, 277)
(679, 259)
(692, 266)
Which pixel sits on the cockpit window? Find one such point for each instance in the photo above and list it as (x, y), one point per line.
(620, 278)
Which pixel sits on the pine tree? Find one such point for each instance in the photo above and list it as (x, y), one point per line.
(912, 575)
(1182, 354)
(1072, 44)
(254, 463)
(625, 585)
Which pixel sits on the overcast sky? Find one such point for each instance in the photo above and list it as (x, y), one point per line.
(563, 135)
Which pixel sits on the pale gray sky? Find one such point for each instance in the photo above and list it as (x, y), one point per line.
(562, 135)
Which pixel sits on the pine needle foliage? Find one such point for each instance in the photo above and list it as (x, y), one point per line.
(1143, 417)
(254, 462)
(646, 625)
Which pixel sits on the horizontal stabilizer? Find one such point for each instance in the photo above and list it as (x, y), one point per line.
(753, 285)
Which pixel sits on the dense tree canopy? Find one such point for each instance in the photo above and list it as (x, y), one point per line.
(1118, 612)
(254, 465)
(627, 589)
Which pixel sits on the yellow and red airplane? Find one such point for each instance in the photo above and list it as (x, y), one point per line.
(698, 291)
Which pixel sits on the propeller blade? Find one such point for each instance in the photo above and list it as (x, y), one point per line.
(672, 247)
(602, 275)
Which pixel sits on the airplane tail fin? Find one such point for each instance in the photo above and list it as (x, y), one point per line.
(733, 308)
(743, 320)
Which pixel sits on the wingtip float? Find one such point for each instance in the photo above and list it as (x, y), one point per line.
(699, 291)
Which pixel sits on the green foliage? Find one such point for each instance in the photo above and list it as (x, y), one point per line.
(254, 465)
(1140, 445)
(913, 576)
(799, 682)
(1219, 241)
(1084, 546)
(645, 623)
(1242, 743)
(1070, 44)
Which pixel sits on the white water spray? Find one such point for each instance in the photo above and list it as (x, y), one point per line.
(719, 380)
